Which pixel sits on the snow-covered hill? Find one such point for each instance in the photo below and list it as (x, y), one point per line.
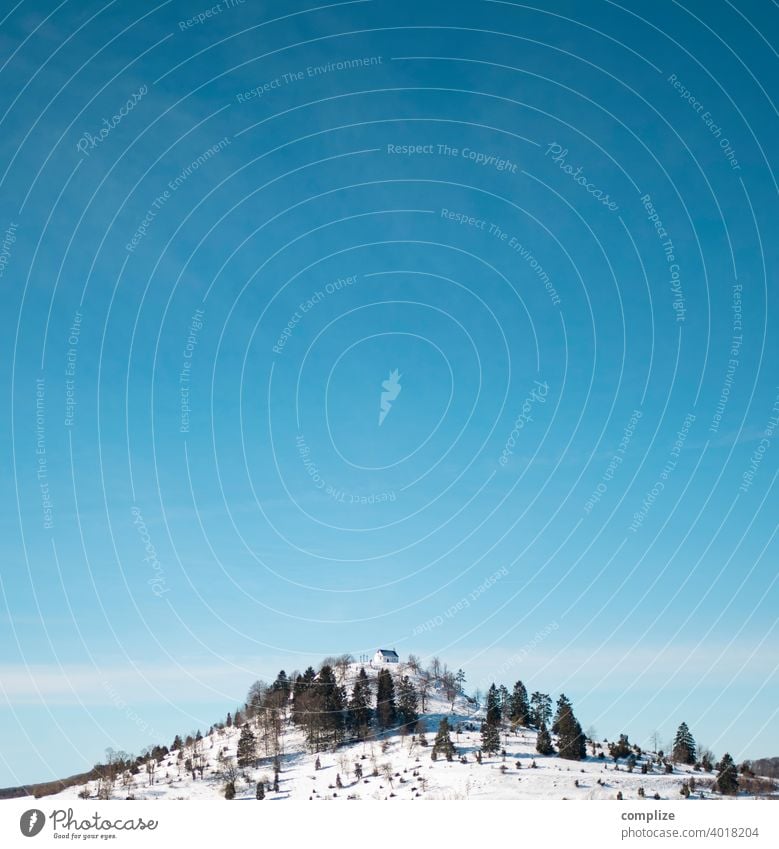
(397, 766)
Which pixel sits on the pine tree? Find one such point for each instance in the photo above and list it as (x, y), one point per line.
(229, 720)
(563, 706)
(282, 684)
(276, 783)
(177, 744)
(571, 741)
(540, 709)
(260, 790)
(247, 747)
(408, 703)
(359, 716)
(230, 790)
(385, 700)
(443, 742)
(504, 701)
(544, 741)
(684, 746)
(519, 709)
(727, 777)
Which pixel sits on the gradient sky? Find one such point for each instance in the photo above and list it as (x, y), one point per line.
(486, 519)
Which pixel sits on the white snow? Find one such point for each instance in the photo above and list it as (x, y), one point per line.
(415, 776)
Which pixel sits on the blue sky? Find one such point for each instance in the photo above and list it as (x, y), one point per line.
(555, 224)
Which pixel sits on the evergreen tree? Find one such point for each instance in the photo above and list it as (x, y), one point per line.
(490, 728)
(620, 749)
(276, 783)
(408, 703)
(563, 706)
(329, 708)
(460, 679)
(229, 720)
(359, 716)
(684, 746)
(230, 790)
(727, 777)
(177, 744)
(544, 741)
(260, 790)
(490, 738)
(385, 700)
(540, 709)
(282, 684)
(571, 741)
(519, 706)
(443, 742)
(504, 701)
(301, 696)
(247, 747)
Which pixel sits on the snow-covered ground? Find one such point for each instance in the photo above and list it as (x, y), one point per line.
(412, 772)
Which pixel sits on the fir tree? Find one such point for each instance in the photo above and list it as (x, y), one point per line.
(490, 728)
(460, 679)
(408, 703)
(563, 706)
(490, 738)
(247, 747)
(571, 741)
(727, 777)
(260, 790)
(276, 783)
(544, 741)
(359, 716)
(385, 700)
(229, 720)
(443, 742)
(684, 746)
(519, 706)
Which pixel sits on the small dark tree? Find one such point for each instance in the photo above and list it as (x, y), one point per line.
(443, 742)
(385, 700)
(519, 708)
(544, 741)
(408, 703)
(247, 747)
(230, 790)
(727, 777)
(684, 746)
(540, 709)
(620, 749)
(571, 741)
(260, 790)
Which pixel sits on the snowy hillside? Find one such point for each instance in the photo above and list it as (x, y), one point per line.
(393, 765)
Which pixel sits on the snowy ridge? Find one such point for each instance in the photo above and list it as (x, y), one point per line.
(392, 765)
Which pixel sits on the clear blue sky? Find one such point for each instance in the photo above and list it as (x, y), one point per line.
(200, 305)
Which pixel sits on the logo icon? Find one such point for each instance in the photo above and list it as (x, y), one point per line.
(31, 822)
(391, 388)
